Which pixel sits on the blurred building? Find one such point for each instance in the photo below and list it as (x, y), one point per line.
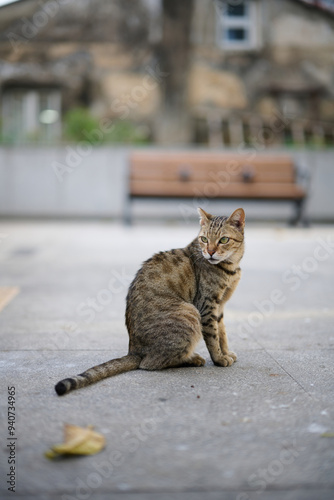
(254, 67)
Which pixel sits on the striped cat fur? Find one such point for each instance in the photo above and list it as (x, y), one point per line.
(177, 298)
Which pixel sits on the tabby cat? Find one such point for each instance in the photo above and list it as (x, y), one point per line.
(176, 298)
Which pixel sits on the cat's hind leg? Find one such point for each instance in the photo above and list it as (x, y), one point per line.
(178, 336)
(157, 363)
(196, 360)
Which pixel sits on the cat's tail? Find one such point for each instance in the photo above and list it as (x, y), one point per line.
(99, 372)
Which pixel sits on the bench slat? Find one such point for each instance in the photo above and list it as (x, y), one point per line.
(207, 157)
(211, 169)
(147, 188)
(218, 174)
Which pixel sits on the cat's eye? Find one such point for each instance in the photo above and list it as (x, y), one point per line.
(204, 239)
(224, 240)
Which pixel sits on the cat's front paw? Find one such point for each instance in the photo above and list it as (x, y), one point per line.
(232, 355)
(225, 360)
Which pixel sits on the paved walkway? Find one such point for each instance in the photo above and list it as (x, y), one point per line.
(251, 431)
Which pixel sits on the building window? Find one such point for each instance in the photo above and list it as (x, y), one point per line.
(31, 115)
(237, 24)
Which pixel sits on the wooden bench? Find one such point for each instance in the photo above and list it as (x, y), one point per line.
(214, 175)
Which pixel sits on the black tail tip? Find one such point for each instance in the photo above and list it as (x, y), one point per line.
(60, 388)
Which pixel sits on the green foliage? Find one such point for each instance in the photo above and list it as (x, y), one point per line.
(79, 124)
(124, 132)
(7, 139)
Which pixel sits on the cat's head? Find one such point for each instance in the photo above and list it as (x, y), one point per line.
(222, 238)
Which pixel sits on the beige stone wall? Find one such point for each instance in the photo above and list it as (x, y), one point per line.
(131, 95)
(295, 53)
(115, 82)
(302, 31)
(292, 36)
(203, 31)
(212, 88)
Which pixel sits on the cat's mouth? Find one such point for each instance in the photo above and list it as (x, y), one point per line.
(213, 261)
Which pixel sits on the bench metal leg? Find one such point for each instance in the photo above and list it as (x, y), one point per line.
(127, 215)
(299, 217)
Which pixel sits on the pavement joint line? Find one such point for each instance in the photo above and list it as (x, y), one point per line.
(285, 371)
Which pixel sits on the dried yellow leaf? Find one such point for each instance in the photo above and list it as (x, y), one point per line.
(78, 441)
(327, 435)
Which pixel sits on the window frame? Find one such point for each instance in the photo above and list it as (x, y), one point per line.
(248, 22)
(21, 107)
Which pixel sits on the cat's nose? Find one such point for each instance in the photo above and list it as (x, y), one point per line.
(211, 252)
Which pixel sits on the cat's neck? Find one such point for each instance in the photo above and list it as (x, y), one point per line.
(228, 265)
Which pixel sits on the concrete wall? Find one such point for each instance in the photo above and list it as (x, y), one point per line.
(76, 181)
(69, 181)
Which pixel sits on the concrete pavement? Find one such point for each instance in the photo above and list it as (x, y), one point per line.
(251, 431)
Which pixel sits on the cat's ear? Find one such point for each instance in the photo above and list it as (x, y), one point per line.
(204, 217)
(237, 219)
